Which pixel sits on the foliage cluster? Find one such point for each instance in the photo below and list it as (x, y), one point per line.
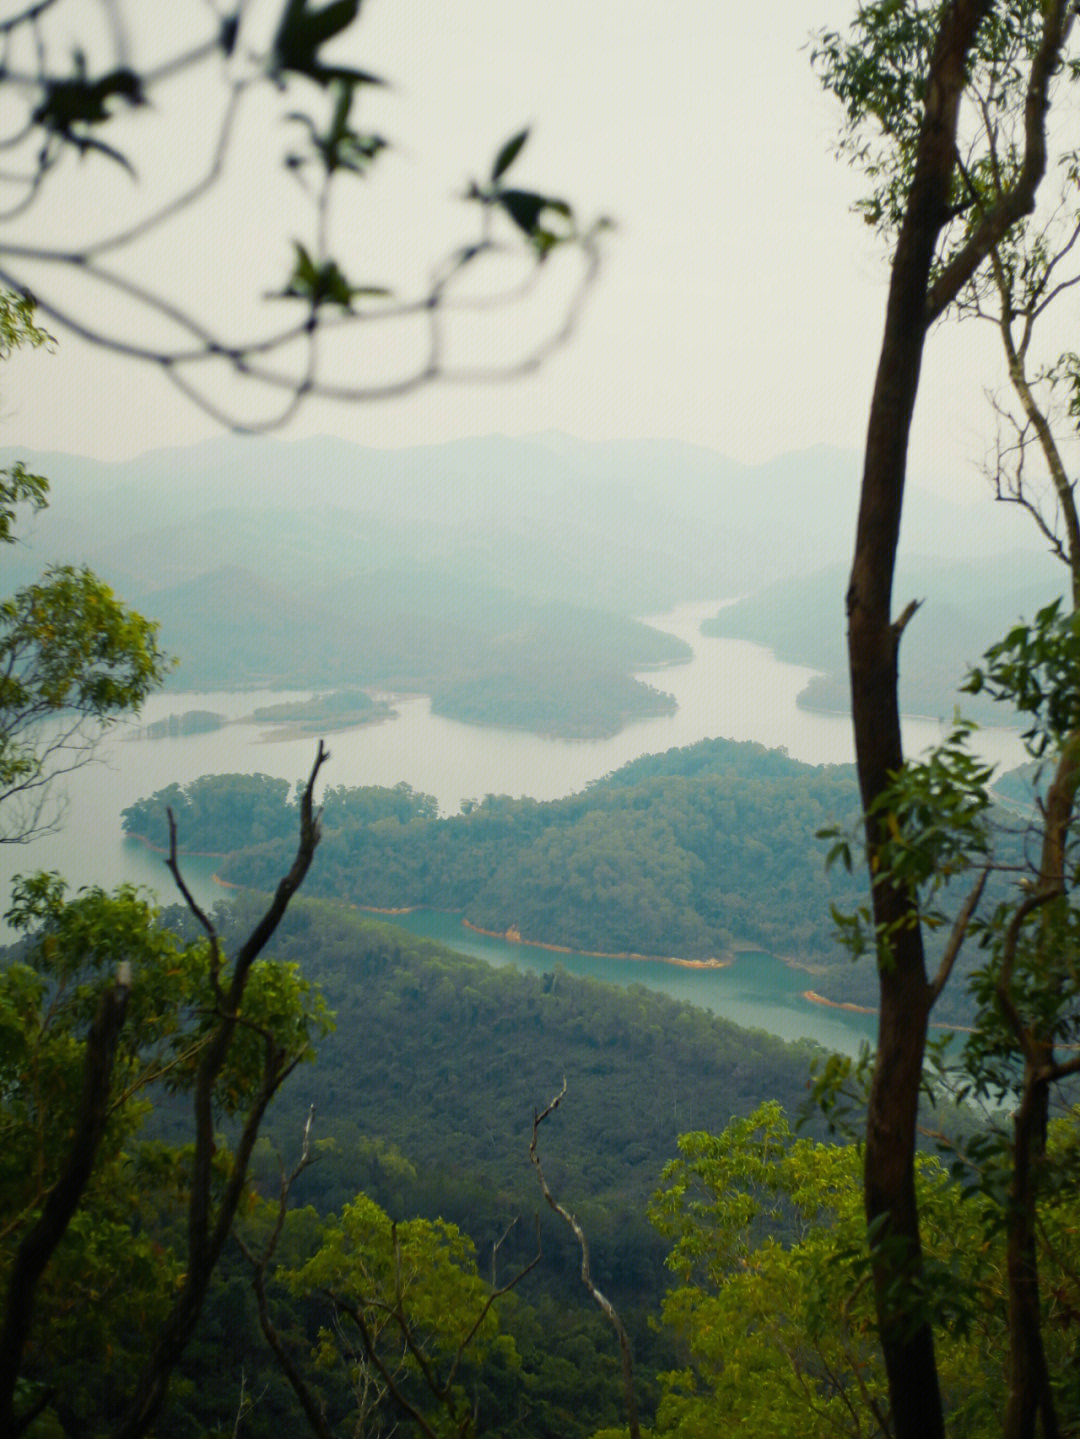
(773, 1308)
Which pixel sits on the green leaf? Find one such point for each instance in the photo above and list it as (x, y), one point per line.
(303, 32)
(507, 155)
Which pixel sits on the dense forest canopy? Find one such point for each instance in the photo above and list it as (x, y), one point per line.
(684, 854)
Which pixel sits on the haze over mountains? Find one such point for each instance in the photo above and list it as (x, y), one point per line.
(503, 576)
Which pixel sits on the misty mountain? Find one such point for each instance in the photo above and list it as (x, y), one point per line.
(965, 607)
(631, 526)
(501, 576)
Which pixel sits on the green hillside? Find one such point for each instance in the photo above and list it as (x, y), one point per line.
(685, 854)
(965, 607)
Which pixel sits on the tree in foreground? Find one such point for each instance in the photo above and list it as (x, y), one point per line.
(929, 90)
(73, 659)
(774, 1308)
(103, 1010)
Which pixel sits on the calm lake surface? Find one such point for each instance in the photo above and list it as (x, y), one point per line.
(730, 689)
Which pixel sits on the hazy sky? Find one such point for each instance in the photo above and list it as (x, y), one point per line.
(740, 304)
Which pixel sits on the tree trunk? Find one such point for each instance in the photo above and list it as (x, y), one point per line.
(1029, 1379)
(873, 643)
(35, 1251)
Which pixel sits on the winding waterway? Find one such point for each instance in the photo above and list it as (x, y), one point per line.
(730, 688)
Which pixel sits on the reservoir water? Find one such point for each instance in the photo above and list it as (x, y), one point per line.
(730, 689)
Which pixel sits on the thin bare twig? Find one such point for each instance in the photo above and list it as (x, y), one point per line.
(958, 935)
(607, 1308)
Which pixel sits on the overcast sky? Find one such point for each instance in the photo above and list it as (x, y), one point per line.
(740, 303)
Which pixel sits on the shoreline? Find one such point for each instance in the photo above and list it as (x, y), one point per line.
(180, 852)
(814, 998)
(513, 936)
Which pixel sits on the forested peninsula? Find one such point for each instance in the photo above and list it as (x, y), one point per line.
(696, 855)
(969, 604)
(683, 854)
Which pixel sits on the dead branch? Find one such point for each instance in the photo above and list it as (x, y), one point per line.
(904, 618)
(607, 1308)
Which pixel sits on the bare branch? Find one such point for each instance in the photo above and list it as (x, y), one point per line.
(607, 1308)
(208, 1228)
(355, 1313)
(907, 614)
(958, 935)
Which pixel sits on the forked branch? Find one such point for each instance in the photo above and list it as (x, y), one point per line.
(209, 1223)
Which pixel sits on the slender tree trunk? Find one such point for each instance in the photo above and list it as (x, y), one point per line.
(1030, 1393)
(35, 1251)
(1029, 1379)
(918, 295)
(873, 643)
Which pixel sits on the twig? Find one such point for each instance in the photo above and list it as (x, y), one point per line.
(605, 1304)
(958, 935)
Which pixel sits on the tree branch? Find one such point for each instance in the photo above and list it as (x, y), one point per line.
(207, 1232)
(1018, 201)
(957, 936)
(607, 1308)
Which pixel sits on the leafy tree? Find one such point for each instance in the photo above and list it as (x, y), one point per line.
(73, 659)
(1026, 985)
(906, 76)
(404, 1313)
(774, 1309)
(104, 1006)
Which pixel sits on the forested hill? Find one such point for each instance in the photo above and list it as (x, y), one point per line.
(444, 1058)
(425, 1097)
(966, 606)
(484, 654)
(682, 854)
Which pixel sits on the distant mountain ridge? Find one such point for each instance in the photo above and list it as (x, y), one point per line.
(695, 516)
(443, 568)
